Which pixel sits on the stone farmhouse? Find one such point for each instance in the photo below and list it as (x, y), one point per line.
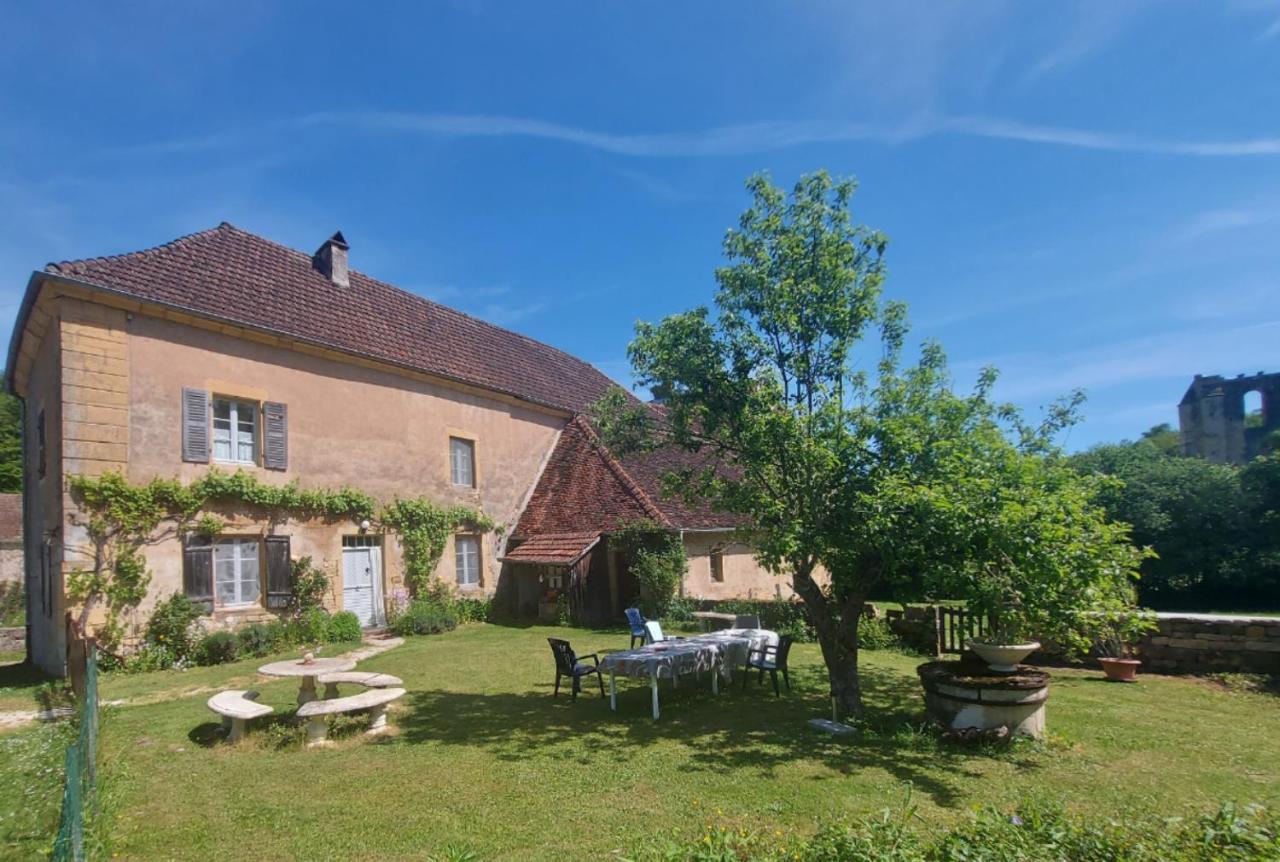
(224, 349)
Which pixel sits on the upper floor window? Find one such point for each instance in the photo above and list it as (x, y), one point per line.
(462, 462)
(235, 431)
(466, 559)
(717, 565)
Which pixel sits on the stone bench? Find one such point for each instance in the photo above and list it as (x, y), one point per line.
(236, 707)
(355, 677)
(374, 701)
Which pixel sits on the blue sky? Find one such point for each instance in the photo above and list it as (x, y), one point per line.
(1083, 195)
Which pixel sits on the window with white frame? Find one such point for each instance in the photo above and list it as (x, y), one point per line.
(235, 431)
(235, 571)
(466, 559)
(462, 458)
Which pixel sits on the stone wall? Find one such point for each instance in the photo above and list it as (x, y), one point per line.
(1211, 643)
(13, 639)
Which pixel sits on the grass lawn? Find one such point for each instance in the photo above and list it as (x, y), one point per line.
(484, 757)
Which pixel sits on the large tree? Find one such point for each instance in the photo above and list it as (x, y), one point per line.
(856, 469)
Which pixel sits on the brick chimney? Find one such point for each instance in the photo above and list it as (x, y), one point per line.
(331, 259)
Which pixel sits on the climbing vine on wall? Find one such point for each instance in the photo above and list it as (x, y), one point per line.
(424, 528)
(121, 519)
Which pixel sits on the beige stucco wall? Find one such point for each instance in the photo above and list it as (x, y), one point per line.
(375, 430)
(744, 578)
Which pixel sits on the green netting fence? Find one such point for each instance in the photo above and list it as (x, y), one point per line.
(79, 796)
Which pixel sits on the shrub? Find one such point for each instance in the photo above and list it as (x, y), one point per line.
(876, 634)
(1029, 833)
(680, 609)
(344, 626)
(216, 648)
(309, 627)
(13, 604)
(259, 639)
(148, 657)
(424, 616)
(779, 615)
(172, 626)
(471, 610)
(307, 585)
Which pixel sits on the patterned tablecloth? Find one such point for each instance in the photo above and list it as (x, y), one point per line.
(722, 650)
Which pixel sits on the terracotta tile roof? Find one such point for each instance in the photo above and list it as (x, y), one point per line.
(584, 487)
(10, 517)
(557, 549)
(647, 469)
(237, 276)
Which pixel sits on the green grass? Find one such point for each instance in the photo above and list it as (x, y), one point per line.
(485, 757)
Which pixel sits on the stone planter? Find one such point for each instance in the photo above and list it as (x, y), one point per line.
(963, 696)
(1120, 669)
(1003, 658)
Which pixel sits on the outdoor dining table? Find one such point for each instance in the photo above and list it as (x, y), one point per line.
(308, 672)
(717, 652)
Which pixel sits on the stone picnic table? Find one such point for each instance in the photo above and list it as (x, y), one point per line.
(708, 616)
(308, 672)
(717, 652)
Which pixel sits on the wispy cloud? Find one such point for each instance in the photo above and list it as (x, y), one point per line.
(1170, 354)
(1094, 26)
(769, 136)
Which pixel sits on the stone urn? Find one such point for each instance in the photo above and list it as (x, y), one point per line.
(1003, 658)
(1120, 669)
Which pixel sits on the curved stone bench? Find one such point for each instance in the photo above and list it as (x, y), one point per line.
(355, 677)
(236, 707)
(374, 701)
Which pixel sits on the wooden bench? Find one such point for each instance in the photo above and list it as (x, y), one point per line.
(355, 677)
(374, 701)
(236, 707)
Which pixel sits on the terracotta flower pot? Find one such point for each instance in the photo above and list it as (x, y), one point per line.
(1120, 669)
(1003, 658)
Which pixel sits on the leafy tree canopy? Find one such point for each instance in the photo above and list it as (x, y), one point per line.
(857, 472)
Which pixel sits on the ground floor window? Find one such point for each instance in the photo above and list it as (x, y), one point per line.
(466, 558)
(236, 571)
(362, 541)
(717, 565)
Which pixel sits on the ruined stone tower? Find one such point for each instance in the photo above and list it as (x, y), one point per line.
(1211, 416)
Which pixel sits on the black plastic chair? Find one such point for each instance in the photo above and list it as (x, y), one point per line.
(772, 659)
(746, 621)
(568, 664)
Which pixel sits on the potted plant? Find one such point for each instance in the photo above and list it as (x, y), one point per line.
(1005, 646)
(1113, 644)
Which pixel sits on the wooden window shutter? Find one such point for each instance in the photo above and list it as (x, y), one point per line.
(195, 426)
(279, 572)
(275, 436)
(197, 575)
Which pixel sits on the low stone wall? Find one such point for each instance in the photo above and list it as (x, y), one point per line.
(13, 639)
(1212, 643)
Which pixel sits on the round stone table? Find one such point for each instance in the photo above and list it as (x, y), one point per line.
(960, 695)
(308, 672)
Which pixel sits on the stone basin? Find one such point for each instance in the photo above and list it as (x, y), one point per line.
(960, 695)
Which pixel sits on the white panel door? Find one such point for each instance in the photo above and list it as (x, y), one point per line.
(358, 584)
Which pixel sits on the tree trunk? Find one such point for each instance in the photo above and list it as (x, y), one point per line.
(837, 629)
(842, 671)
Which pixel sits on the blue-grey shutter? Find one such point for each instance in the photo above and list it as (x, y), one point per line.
(195, 426)
(197, 576)
(275, 436)
(279, 572)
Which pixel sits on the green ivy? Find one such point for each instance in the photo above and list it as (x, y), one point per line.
(424, 529)
(123, 518)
